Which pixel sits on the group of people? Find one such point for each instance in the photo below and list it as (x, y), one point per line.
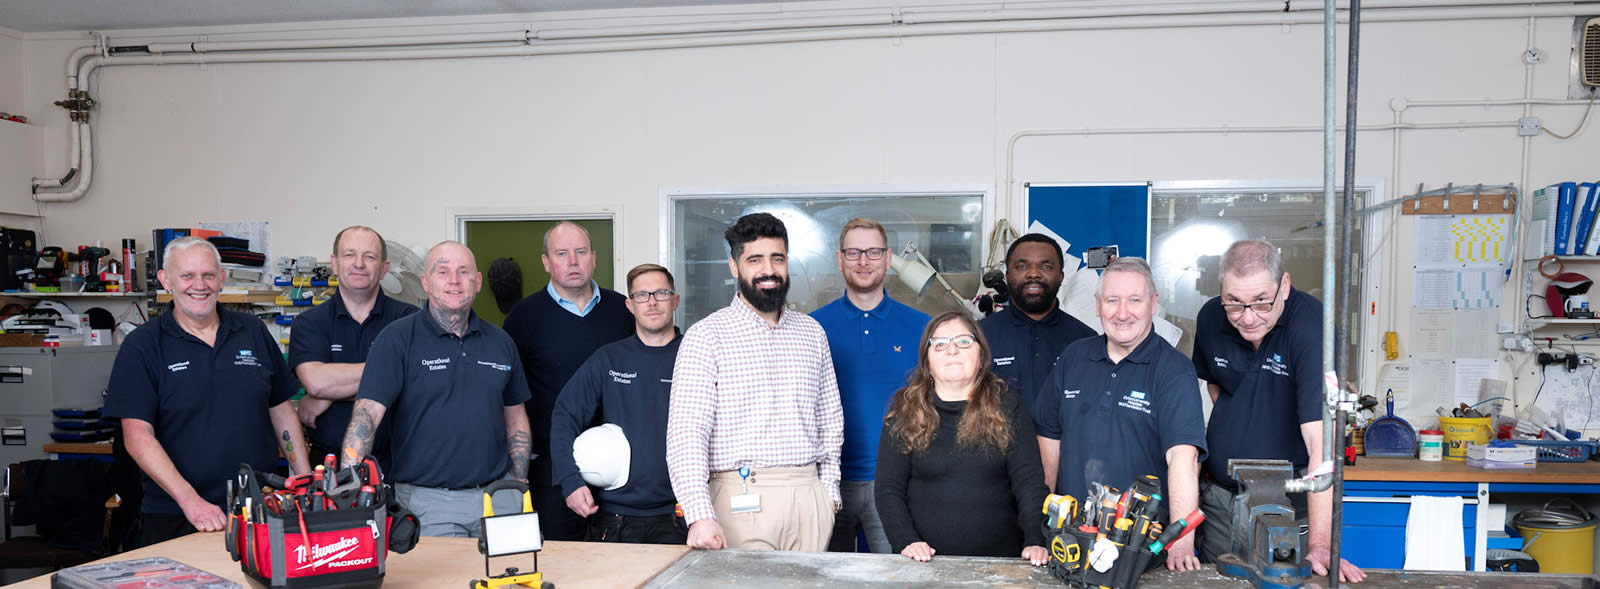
(757, 428)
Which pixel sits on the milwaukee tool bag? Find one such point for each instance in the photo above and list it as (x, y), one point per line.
(302, 532)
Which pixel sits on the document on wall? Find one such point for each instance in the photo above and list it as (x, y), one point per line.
(1569, 396)
(1431, 386)
(1470, 373)
(1461, 241)
(1431, 334)
(1433, 289)
(1475, 333)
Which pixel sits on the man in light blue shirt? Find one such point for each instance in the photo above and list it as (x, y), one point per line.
(556, 329)
(874, 340)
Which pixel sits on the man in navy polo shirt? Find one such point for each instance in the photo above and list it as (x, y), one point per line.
(556, 329)
(200, 390)
(627, 383)
(874, 340)
(1259, 349)
(1029, 334)
(1124, 405)
(328, 343)
(455, 388)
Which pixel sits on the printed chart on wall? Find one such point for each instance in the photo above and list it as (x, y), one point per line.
(1565, 396)
(1458, 280)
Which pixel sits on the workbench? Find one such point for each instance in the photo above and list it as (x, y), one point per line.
(1378, 491)
(451, 562)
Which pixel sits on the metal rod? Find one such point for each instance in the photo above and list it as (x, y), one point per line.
(1331, 218)
(1342, 334)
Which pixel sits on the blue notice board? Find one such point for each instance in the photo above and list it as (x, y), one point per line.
(1094, 216)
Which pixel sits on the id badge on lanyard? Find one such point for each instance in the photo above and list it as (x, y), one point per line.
(745, 502)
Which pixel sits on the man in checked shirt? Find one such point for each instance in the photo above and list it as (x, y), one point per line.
(754, 426)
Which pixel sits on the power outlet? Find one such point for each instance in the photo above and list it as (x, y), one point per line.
(1528, 126)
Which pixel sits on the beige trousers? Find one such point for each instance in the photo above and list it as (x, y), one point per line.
(796, 511)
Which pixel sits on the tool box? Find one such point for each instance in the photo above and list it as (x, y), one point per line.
(144, 573)
(326, 529)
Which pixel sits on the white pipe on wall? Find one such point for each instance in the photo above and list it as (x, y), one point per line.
(85, 174)
(295, 44)
(72, 169)
(80, 65)
(724, 27)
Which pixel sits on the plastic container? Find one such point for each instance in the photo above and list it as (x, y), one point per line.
(1460, 432)
(1430, 445)
(1560, 537)
(1559, 451)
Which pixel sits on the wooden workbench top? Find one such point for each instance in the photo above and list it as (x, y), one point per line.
(78, 448)
(1450, 471)
(445, 562)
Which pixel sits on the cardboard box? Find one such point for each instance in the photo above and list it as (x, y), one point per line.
(1486, 457)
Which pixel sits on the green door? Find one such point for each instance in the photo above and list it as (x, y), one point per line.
(523, 242)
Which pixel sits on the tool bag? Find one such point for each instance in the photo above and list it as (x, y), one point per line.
(1069, 561)
(282, 541)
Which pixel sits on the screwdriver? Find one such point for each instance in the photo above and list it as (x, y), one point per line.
(1177, 530)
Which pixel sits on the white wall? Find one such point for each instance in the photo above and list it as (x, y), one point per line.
(403, 145)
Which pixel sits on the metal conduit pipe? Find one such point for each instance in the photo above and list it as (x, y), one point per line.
(85, 173)
(1330, 215)
(294, 44)
(914, 16)
(722, 27)
(1342, 336)
(79, 66)
(72, 168)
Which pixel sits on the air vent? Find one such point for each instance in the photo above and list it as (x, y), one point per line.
(1590, 55)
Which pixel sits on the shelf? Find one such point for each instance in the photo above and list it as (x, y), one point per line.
(251, 298)
(1565, 258)
(1550, 321)
(84, 295)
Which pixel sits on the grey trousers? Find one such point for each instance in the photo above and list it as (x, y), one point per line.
(1215, 536)
(860, 512)
(457, 513)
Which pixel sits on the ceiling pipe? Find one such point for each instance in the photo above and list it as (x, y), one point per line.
(914, 16)
(722, 27)
(300, 44)
(84, 61)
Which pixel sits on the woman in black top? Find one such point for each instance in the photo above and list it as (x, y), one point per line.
(958, 464)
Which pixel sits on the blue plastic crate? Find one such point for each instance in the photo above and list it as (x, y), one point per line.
(1561, 451)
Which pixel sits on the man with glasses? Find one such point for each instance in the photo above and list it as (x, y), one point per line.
(1123, 405)
(556, 329)
(874, 343)
(627, 383)
(1028, 335)
(1259, 349)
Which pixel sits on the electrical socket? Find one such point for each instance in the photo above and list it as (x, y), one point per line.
(1528, 126)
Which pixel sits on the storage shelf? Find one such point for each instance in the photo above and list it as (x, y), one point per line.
(233, 298)
(1566, 258)
(87, 295)
(1534, 324)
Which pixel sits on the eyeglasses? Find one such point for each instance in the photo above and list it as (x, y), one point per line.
(873, 253)
(643, 296)
(963, 341)
(1237, 309)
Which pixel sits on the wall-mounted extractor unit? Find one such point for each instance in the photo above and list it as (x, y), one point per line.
(1589, 54)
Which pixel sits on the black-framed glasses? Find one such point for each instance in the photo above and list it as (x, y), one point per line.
(643, 296)
(872, 253)
(1237, 309)
(963, 341)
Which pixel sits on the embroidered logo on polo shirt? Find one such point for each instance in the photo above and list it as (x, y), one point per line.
(1006, 361)
(1220, 361)
(623, 377)
(1276, 366)
(666, 380)
(500, 367)
(1135, 400)
(439, 364)
(897, 348)
(179, 367)
(1070, 393)
(335, 347)
(245, 358)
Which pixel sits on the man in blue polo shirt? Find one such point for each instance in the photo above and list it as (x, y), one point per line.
(556, 329)
(328, 344)
(200, 390)
(874, 340)
(1259, 349)
(1124, 405)
(1029, 334)
(456, 389)
(627, 383)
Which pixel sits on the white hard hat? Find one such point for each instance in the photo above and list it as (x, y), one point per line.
(603, 455)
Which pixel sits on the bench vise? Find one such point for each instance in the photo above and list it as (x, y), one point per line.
(1268, 549)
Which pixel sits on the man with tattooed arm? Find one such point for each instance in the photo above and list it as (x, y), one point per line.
(454, 388)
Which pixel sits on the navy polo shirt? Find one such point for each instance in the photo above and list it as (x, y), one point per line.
(209, 404)
(1025, 350)
(447, 397)
(873, 353)
(327, 333)
(1116, 421)
(1266, 393)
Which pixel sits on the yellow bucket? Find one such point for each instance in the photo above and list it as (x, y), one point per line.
(1560, 550)
(1460, 432)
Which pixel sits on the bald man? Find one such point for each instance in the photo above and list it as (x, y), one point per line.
(464, 426)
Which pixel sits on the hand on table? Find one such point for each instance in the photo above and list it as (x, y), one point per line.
(707, 534)
(1036, 555)
(1348, 573)
(918, 551)
(203, 515)
(1180, 555)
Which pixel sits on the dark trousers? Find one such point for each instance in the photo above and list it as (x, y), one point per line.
(155, 528)
(556, 522)
(637, 529)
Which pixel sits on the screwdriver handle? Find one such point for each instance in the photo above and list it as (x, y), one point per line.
(1177, 530)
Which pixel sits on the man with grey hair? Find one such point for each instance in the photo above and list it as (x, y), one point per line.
(200, 390)
(1123, 405)
(556, 330)
(1258, 346)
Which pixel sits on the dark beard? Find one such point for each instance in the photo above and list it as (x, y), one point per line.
(1033, 305)
(765, 301)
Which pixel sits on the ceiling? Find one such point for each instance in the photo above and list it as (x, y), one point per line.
(32, 16)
